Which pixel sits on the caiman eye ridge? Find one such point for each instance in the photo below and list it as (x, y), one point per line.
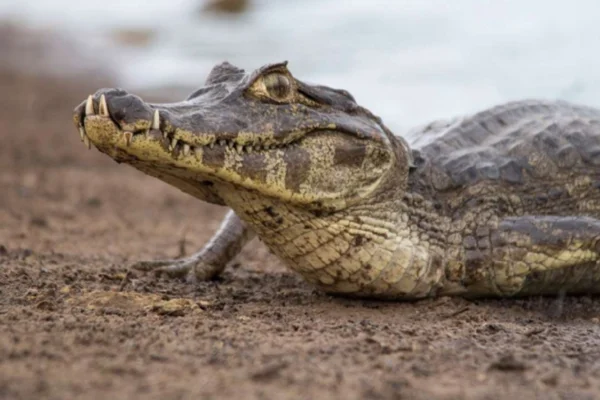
(175, 145)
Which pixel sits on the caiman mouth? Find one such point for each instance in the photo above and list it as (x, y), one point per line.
(176, 142)
(266, 133)
(278, 167)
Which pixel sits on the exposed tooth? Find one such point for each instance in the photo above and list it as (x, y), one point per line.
(239, 148)
(128, 137)
(86, 140)
(248, 149)
(82, 133)
(186, 149)
(89, 106)
(156, 120)
(222, 142)
(211, 145)
(230, 144)
(198, 153)
(173, 144)
(165, 135)
(102, 107)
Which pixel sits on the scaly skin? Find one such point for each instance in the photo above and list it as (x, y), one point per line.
(504, 202)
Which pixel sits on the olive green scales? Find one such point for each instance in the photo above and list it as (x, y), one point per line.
(503, 202)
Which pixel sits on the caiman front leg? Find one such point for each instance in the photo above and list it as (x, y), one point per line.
(522, 246)
(212, 259)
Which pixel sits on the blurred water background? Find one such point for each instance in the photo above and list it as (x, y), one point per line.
(408, 61)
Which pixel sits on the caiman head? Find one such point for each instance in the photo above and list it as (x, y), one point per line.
(266, 132)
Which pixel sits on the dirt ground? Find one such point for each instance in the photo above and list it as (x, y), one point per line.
(74, 323)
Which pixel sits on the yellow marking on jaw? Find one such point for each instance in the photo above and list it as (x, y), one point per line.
(194, 139)
(250, 138)
(276, 167)
(139, 125)
(233, 160)
(321, 161)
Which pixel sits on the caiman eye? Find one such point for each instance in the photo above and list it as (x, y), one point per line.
(278, 86)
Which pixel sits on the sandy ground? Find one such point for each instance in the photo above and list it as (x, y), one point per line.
(74, 323)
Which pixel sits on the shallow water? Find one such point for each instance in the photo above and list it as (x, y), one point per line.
(408, 61)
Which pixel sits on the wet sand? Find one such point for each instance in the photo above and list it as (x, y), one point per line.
(74, 323)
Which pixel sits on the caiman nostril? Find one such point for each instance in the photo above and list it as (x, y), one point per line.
(127, 109)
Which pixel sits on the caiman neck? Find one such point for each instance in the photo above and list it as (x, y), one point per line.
(392, 244)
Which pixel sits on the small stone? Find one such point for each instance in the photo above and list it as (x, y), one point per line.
(508, 363)
(550, 379)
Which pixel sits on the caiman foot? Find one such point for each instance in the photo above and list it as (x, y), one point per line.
(193, 268)
(209, 262)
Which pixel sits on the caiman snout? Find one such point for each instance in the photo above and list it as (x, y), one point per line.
(124, 108)
(128, 112)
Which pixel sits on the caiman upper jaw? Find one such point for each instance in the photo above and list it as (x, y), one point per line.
(132, 117)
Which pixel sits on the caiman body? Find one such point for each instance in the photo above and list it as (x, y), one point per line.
(504, 202)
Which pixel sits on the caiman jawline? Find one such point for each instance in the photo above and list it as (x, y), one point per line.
(177, 145)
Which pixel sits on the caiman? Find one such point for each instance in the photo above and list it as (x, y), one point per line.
(504, 202)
